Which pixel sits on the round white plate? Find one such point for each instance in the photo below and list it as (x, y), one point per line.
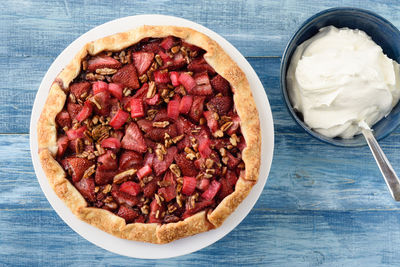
(139, 249)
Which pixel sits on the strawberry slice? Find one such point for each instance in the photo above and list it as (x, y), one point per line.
(130, 159)
(85, 112)
(203, 184)
(137, 109)
(165, 58)
(76, 133)
(108, 161)
(220, 85)
(154, 100)
(86, 188)
(185, 104)
(122, 197)
(62, 145)
(145, 125)
(103, 61)
(232, 160)
(187, 166)
(142, 92)
(158, 134)
(160, 166)
(144, 171)
(212, 190)
(203, 86)
(168, 42)
(127, 213)
(99, 87)
(78, 89)
(201, 205)
(104, 176)
(127, 76)
(204, 147)
(221, 105)
(77, 167)
(142, 61)
(155, 212)
(63, 119)
(235, 126)
(168, 192)
(200, 65)
(185, 142)
(173, 109)
(133, 139)
(196, 111)
(130, 188)
(189, 185)
(178, 61)
(151, 188)
(73, 110)
(148, 159)
(111, 142)
(187, 81)
(174, 76)
(162, 115)
(212, 122)
(161, 77)
(115, 90)
(119, 119)
(184, 126)
(103, 103)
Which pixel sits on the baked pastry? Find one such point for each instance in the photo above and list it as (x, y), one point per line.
(151, 134)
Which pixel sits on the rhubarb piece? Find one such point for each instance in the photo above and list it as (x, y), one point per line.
(144, 171)
(62, 145)
(137, 109)
(189, 185)
(185, 104)
(174, 76)
(99, 87)
(73, 110)
(76, 133)
(212, 122)
(130, 188)
(119, 119)
(235, 126)
(142, 61)
(187, 81)
(169, 191)
(101, 103)
(200, 65)
(103, 61)
(212, 190)
(127, 76)
(85, 112)
(173, 109)
(115, 90)
(133, 139)
(154, 100)
(111, 142)
(196, 111)
(167, 43)
(155, 212)
(63, 119)
(161, 77)
(203, 86)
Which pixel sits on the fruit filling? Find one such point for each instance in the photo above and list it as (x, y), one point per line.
(150, 133)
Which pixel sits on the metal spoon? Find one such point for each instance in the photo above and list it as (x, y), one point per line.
(391, 179)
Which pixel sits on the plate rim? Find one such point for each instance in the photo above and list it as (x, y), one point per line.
(149, 251)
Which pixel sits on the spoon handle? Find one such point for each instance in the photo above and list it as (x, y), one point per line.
(391, 179)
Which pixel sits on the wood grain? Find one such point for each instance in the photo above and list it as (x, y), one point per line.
(322, 205)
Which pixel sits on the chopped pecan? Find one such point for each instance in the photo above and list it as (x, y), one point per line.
(106, 71)
(160, 124)
(152, 90)
(175, 170)
(121, 177)
(89, 171)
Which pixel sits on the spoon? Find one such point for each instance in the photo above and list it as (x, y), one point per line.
(391, 179)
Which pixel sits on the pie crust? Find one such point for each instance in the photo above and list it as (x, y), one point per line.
(151, 232)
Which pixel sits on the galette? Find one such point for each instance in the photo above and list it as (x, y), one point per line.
(151, 135)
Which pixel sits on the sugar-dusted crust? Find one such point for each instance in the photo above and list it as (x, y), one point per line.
(109, 222)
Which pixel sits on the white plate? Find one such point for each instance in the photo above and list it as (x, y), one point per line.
(139, 249)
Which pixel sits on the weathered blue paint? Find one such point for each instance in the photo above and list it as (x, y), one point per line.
(322, 205)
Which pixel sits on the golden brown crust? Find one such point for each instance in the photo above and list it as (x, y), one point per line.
(107, 221)
(190, 226)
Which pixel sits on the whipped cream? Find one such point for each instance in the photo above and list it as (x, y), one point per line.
(340, 80)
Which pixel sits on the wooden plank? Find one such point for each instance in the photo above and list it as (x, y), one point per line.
(299, 238)
(324, 178)
(256, 28)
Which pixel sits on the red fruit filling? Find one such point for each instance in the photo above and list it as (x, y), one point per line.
(150, 133)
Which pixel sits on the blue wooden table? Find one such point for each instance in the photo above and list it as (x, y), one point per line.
(322, 205)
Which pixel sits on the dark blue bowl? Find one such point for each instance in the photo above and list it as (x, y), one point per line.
(382, 32)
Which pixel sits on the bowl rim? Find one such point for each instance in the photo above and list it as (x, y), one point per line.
(306, 128)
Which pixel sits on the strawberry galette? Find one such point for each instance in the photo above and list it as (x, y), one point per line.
(151, 135)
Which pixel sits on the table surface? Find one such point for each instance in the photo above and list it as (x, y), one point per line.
(322, 205)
